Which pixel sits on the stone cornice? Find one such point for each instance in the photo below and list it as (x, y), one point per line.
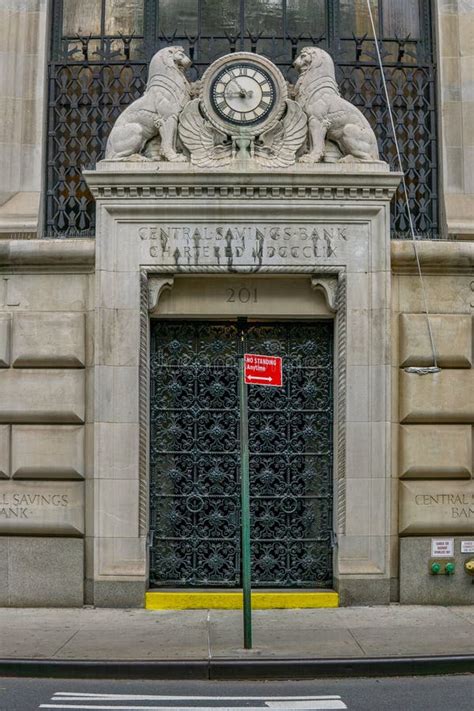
(435, 256)
(55, 253)
(351, 182)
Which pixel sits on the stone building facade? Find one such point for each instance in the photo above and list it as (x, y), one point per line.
(305, 255)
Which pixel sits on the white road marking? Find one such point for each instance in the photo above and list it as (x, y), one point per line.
(161, 697)
(308, 706)
(91, 702)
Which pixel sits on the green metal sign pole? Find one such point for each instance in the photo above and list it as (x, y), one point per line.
(245, 508)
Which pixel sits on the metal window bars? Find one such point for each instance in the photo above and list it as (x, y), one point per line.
(93, 78)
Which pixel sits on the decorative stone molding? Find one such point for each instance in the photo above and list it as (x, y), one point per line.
(156, 286)
(218, 191)
(144, 400)
(328, 287)
(341, 349)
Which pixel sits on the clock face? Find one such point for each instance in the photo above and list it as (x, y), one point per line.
(243, 93)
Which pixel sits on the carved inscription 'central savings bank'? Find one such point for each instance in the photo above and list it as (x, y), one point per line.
(41, 508)
(242, 243)
(24, 505)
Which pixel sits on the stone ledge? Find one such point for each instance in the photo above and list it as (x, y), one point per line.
(436, 256)
(48, 252)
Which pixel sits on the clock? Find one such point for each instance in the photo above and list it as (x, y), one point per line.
(243, 93)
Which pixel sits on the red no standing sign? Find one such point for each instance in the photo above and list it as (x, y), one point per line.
(263, 370)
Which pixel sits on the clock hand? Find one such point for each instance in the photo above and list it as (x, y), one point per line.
(239, 93)
(243, 92)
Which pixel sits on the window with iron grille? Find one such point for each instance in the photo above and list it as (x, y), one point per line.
(100, 50)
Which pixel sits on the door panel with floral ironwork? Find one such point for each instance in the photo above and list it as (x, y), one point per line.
(195, 457)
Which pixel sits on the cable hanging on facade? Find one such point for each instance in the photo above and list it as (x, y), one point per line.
(434, 368)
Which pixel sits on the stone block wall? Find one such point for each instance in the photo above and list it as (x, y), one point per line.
(46, 364)
(433, 416)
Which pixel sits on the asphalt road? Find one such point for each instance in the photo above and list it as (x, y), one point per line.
(436, 693)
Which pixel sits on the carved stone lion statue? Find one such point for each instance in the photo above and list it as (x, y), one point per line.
(329, 115)
(154, 116)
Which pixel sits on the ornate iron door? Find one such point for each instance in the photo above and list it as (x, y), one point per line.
(195, 458)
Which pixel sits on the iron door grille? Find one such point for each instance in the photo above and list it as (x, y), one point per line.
(195, 457)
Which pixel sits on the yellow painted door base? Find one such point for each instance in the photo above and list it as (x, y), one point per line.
(232, 600)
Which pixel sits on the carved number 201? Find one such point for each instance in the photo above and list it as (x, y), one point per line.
(242, 295)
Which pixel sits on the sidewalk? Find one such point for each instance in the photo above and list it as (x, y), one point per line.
(211, 636)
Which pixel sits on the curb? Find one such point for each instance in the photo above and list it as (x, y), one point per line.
(241, 669)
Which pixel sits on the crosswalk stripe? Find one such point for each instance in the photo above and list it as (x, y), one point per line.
(64, 700)
(327, 705)
(164, 697)
(307, 706)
